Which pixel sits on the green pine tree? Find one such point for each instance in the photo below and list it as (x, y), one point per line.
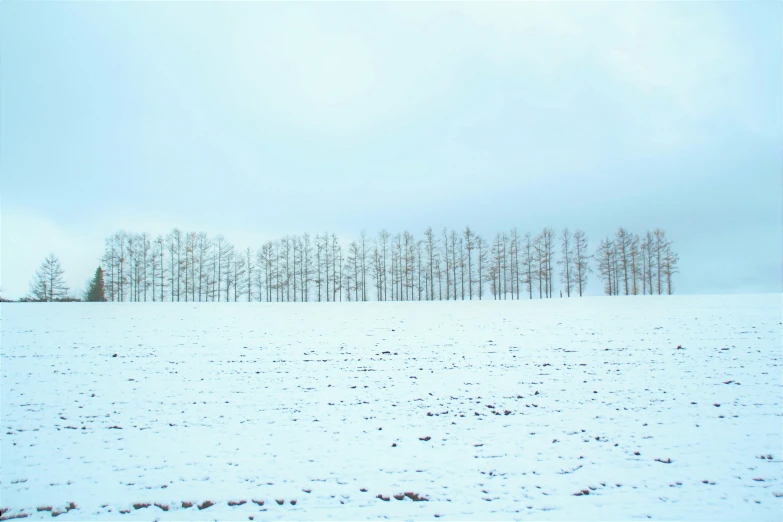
(97, 292)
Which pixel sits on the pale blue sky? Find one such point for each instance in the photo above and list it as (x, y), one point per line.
(259, 120)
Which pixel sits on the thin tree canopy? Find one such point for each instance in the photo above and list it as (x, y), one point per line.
(48, 284)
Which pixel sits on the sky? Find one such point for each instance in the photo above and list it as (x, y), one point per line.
(259, 120)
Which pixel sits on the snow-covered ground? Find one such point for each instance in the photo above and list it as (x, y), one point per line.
(555, 409)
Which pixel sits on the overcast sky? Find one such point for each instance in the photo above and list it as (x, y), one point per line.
(260, 120)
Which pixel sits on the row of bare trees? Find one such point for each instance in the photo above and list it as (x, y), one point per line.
(446, 265)
(629, 264)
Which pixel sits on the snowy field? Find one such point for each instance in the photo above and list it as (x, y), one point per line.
(562, 409)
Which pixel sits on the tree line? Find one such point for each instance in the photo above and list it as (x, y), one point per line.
(445, 265)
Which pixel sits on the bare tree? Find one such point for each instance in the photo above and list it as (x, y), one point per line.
(446, 259)
(395, 274)
(265, 259)
(228, 262)
(409, 267)
(306, 267)
(581, 260)
(353, 270)
(469, 238)
(285, 270)
(530, 251)
(496, 281)
(492, 274)
(204, 245)
(624, 245)
(249, 269)
(540, 262)
(133, 250)
(418, 253)
(364, 249)
(133, 275)
(383, 242)
(605, 265)
(154, 269)
(295, 261)
(191, 245)
(431, 247)
(481, 261)
(220, 250)
(48, 284)
(377, 267)
(161, 250)
(171, 248)
(239, 273)
(548, 245)
(439, 276)
(261, 273)
(462, 264)
(635, 258)
(453, 251)
(504, 263)
(119, 239)
(670, 262)
(179, 248)
(659, 248)
(515, 247)
(616, 266)
(567, 260)
(337, 268)
(111, 261)
(319, 250)
(647, 247)
(146, 260)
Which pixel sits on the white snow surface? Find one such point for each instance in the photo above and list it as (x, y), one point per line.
(525, 403)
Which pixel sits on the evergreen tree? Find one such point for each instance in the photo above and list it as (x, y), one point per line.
(96, 292)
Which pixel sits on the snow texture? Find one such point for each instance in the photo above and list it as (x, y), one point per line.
(594, 408)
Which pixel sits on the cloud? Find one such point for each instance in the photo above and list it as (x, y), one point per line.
(280, 117)
(341, 77)
(339, 72)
